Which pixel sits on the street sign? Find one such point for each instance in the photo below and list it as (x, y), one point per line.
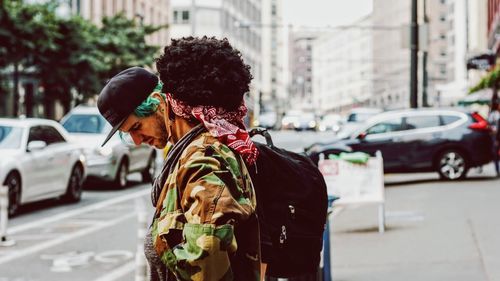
(481, 62)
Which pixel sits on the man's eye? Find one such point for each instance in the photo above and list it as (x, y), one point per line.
(135, 127)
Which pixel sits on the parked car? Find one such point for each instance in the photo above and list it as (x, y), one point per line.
(447, 141)
(38, 161)
(116, 159)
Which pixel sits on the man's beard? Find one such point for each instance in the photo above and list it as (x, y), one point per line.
(163, 133)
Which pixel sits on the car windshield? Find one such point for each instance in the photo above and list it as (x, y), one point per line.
(10, 137)
(86, 123)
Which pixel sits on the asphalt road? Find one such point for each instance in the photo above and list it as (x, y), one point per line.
(97, 240)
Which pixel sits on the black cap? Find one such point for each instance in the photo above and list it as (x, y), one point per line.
(123, 93)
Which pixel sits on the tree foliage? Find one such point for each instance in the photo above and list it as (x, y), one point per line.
(122, 44)
(68, 55)
(491, 80)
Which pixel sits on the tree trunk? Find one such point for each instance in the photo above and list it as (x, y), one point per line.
(15, 99)
(48, 104)
(29, 96)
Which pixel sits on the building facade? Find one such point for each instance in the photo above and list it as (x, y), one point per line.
(466, 37)
(151, 12)
(343, 68)
(438, 56)
(273, 92)
(391, 58)
(301, 68)
(254, 27)
(493, 26)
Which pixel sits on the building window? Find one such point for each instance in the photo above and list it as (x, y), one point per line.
(443, 2)
(442, 18)
(181, 16)
(442, 69)
(273, 9)
(185, 16)
(442, 36)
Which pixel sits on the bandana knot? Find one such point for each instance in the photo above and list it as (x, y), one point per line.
(227, 126)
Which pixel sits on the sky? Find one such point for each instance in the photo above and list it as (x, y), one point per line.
(320, 13)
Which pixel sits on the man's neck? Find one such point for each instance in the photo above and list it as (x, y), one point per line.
(179, 128)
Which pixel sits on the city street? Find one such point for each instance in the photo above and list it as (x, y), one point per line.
(435, 231)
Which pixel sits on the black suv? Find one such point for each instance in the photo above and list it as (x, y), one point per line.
(447, 141)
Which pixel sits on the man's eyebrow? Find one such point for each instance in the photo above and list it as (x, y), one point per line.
(133, 127)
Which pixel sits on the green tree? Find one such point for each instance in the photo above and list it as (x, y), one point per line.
(25, 31)
(491, 80)
(69, 55)
(73, 66)
(122, 43)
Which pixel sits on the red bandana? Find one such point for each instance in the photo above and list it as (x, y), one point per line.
(227, 126)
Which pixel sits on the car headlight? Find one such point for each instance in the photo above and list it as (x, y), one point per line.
(312, 124)
(296, 124)
(256, 123)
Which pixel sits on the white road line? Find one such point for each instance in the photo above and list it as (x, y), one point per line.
(119, 272)
(38, 247)
(67, 214)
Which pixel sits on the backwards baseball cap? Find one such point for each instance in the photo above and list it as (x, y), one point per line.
(123, 94)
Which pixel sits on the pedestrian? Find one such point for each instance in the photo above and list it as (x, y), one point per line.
(494, 121)
(205, 226)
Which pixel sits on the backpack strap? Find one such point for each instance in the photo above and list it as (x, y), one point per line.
(263, 132)
(172, 158)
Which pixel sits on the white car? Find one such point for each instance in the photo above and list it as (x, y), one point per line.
(116, 159)
(330, 122)
(266, 120)
(39, 162)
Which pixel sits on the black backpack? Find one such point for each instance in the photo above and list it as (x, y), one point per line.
(292, 209)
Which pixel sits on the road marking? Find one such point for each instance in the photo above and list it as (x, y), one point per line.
(66, 262)
(119, 272)
(38, 247)
(114, 256)
(36, 236)
(67, 214)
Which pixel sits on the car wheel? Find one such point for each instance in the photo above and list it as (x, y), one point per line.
(121, 175)
(148, 173)
(452, 165)
(74, 189)
(14, 188)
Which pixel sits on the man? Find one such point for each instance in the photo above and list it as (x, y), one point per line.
(205, 226)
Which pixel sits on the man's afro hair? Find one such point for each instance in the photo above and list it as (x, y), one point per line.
(204, 71)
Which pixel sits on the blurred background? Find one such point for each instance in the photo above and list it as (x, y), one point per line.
(315, 57)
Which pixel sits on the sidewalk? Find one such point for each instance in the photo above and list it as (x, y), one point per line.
(435, 231)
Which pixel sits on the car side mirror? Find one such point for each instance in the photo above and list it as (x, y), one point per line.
(36, 145)
(362, 136)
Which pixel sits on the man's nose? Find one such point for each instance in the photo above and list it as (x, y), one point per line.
(137, 138)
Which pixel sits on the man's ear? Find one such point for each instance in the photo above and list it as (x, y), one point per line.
(159, 97)
(164, 105)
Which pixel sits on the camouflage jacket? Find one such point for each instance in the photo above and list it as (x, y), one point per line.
(205, 227)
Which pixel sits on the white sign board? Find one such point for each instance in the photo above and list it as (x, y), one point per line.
(356, 183)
